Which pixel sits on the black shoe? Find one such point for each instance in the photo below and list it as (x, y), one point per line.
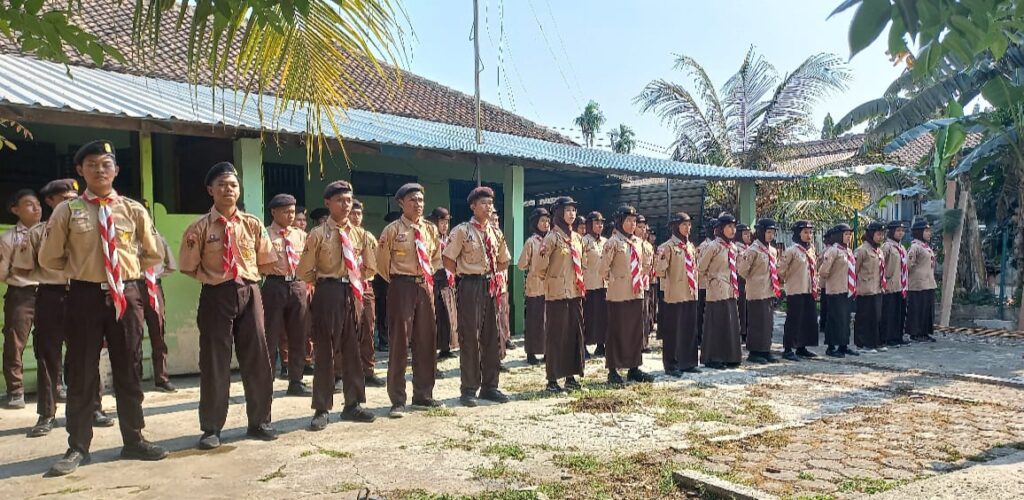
(770, 359)
(62, 394)
(438, 373)
(553, 387)
(714, 365)
(848, 351)
(43, 427)
(167, 387)
(903, 341)
(339, 386)
(690, 370)
(790, 355)
(143, 450)
(320, 421)
(571, 384)
(468, 400)
(638, 375)
(446, 355)
(757, 358)
(646, 350)
(893, 343)
(263, 432)
(284, 374)
(357, 413)
(100, 419)
(397, 411)
(509, 345)
(210, 440)
(614, 378)
(599, 350)
(427, 403)
(307, 370)
(832, 352)
(732, 366)
(586, 353)
(804, 353)
(15, 401)
(929, 338)
(374, 381)
(298, 388)
(494, 395)
(72, 459)
(532, 360)
(673, 373)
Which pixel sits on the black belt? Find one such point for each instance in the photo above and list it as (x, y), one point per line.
(26, 287)
(244, 282)
(475, 277)
(102, 286)
(286, 279)
(407, 277)
(333, 280)
(51, 286)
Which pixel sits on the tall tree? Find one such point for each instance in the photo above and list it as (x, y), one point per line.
(828, 128)
(622, 139)
(590, 122)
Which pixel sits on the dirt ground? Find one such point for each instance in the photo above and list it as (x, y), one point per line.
(815, 429)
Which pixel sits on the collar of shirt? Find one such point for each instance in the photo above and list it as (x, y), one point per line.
(332, 225)
(416, 224)
(215, 215)
(275, 229)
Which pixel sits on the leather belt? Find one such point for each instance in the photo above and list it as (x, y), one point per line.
(473, 277)
(333, 280)
(407, 277)
(286, 279)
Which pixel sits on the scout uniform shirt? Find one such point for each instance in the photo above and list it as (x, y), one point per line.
(293, 235)
(528, 259)
(648, 262)
(397, 254)
(921, 259)
(670, 267)
(869, 279)
(26, 259)
(795, 267)
(323, 256)
(753, 267)
(834, 269)
(702, 284)
(615, 267)
(467, 247)
(592, 248)
(555, 264)
(713, 268)
(202, 248)
(894, 262)
(14, 241)
(72, 246)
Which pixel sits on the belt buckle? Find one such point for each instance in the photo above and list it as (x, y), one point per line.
(289, 279)
(105, 286)
(344, 280)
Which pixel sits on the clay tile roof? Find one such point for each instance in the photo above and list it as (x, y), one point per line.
(807, 156)
(417, 97)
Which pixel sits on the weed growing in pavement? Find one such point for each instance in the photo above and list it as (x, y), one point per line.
(326, 452)
(868, 485)
(279, 473)
(506, 451)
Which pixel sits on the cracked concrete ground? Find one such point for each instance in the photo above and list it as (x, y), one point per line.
(882, 423)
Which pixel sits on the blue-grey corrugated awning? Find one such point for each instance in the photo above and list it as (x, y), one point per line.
(34, 83)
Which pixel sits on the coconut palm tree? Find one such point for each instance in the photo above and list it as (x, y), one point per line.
(749, 122)
(622, 139)
(590, 122)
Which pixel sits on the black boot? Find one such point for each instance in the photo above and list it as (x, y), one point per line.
(599, 350)
(571, 384)
(532, 359)
(553, 387)
(790, 355)
(834, 353)
(614, 378)
(638, 375)
(804, 353)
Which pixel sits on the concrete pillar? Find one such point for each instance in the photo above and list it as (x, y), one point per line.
(248, 156)
(748, 203)
(514, 189)
(146, 168)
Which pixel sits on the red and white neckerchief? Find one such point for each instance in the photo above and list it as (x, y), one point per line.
(812, 271)
(691, 272)
(634, 266)
(577, 264)
(152, 287)
(882, 282)
(904, 271)
(289, 252)
(108, 237)
(773, 267)
(448, 274)
(230, 259)
(493, 285)
(423, 257)
(355, 277)
(734, 277)
(851, 270)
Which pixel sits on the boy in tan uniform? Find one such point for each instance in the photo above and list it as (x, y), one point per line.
(224, 250)
(102, 242)
(19, 303)
(475, 253)
(153, 313)
(337, 257)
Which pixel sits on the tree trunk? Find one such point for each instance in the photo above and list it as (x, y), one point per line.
(972, 275)
(952, 261)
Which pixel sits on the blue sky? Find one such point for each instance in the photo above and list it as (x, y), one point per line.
(558, 54)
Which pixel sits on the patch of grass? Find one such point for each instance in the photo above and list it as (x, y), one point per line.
(952, 454)
(416, 494)
(806, 476)
(770, 439)
(454, 444)
(327, 452)
(506, 495)
(867, 485)
(439, 411)
(476, 431)
(761, 413)
(577, 462)
(346, 486)
(730, 476)
(554, 489)
(604, 401)
(708, 415)
(506, 451)
(499, 470)
(279, 473)
(815, 496)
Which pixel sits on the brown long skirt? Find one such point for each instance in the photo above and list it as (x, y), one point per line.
(894, 315)
(595, 317)
(564, 347)
(534, 334)
(721, 333)
(921, 313)
(837, 326)
(625, 334)
(801, 329)
(678, 331)
(760, 324)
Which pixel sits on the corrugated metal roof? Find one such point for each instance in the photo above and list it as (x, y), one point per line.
(32, 82)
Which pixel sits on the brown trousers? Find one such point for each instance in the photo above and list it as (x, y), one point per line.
(47, 338)
(367, 321)
(442, 314)
(479, 341)
(19, 307)
(155, 325)
(336, 337)
(91, 311)
(411, 322)
(625, 334)
(721, 332)
(232, 313)
(564, 348)
(760, 324)
(285, 307)
(535, 330)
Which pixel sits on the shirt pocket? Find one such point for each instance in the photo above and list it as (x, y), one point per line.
(81, 225)
(125, 232)
(474, 251)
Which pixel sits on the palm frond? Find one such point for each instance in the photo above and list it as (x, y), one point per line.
(928, 102)
(706, 89)
(982, 151)
(798, 92)
(744, 96)
(674, 105)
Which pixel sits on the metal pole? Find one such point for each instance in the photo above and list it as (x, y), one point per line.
(1002, 273)
(476, 66)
